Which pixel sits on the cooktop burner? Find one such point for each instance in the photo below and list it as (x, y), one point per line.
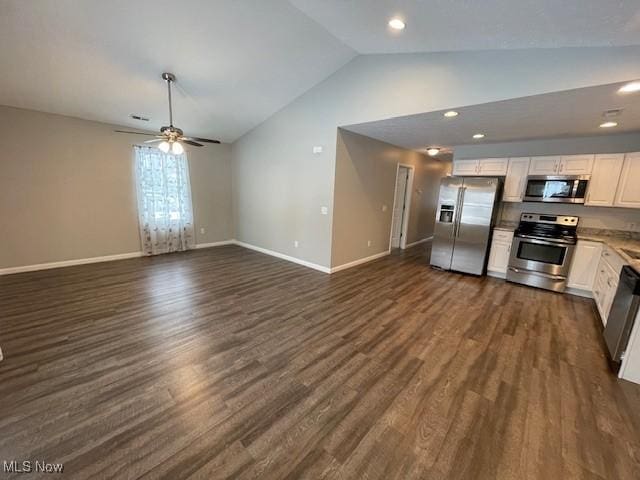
(548, 226)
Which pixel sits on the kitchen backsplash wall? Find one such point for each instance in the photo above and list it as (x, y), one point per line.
(627, 219)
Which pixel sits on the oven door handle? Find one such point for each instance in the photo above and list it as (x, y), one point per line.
(551, 242)
(539, 274)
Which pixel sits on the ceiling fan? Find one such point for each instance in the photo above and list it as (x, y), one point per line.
(171, 138)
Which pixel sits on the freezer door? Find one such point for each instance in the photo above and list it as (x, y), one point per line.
(472, 236)
(445, 226)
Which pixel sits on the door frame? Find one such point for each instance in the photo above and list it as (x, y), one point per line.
(407, 204)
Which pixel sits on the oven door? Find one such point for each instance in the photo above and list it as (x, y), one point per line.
(544, 256)
(556, 189)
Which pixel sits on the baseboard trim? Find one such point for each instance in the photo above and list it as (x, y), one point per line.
(579, 293)
(215, 244)
(69, 263)
(360, 261)
(496, 274)
(424, 240)
(282, 256)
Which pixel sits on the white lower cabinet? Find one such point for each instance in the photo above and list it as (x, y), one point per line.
(500, 251)
(606, 281)
(584, 265)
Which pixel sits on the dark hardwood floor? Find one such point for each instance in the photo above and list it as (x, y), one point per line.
(226, 363)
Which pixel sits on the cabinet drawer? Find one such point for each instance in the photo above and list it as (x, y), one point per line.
(615, 261)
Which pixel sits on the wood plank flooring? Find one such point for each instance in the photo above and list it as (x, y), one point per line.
(226, 363)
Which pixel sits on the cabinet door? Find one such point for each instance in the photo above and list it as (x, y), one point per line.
(465, 167)
(544, 165)
(576, 165)
(499, 256)
(628, 194)
(584, 265)
(601, 290)
(493, 166)
(604, 179)
(516, 179)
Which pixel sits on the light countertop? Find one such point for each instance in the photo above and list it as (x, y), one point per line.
(617, 243)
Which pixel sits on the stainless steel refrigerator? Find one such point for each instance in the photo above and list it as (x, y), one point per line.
(464, 218)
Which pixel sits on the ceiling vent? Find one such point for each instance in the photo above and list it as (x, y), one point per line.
(612, 113)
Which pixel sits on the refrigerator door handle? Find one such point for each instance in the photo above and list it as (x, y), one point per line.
(459, 216)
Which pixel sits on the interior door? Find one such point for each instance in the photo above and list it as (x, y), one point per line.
(445, 226)
(399, 206)
(472, 236)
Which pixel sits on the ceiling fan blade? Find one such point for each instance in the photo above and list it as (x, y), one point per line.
(136, 133)
(154, 140)
(191, 142)
(205, 140)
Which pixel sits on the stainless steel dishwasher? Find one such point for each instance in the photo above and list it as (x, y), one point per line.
(621, 316)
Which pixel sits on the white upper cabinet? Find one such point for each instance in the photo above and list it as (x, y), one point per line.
(576, 164)
(584, 265)
(561, 165)
(493, 167)
(604, 179)
(628, 194)
(544, 165)
(487, 167)
(516, 179)
(465, 167)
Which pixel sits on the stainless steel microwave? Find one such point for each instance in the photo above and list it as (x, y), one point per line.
(557, 189)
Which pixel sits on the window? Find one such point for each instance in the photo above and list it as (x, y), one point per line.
(164, 201)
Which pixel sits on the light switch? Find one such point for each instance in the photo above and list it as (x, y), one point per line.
(384, 208)
(202, 231)
(324, 210)
(317, 149)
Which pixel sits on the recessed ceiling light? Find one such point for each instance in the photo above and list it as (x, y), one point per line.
(451, 113)
(396, 24)
(630, 87)
(608, 124)
(433, 151)
(478, 135)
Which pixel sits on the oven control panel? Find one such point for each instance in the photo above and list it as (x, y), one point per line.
(567, 220)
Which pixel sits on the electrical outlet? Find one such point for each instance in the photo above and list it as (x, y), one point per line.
(369, 243)
(384, 208)
(324, 210)
(295, 243)
(317, 149)
(632, 226)
(202, 231)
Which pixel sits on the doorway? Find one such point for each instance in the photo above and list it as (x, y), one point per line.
(401, 206)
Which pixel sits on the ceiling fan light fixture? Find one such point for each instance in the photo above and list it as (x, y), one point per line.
(177, 148)
(164, 147)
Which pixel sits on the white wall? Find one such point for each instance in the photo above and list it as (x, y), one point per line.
(280, 185)
(365, 181)
(67, 189)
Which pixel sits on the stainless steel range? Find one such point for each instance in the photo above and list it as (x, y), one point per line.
(542, 250)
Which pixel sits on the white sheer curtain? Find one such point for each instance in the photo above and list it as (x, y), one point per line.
(164, 201)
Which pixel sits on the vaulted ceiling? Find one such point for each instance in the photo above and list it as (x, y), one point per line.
(240, 61)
